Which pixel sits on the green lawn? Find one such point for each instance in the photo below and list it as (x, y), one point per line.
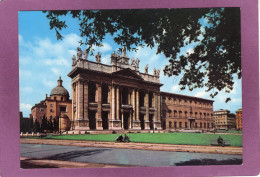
(164, 138)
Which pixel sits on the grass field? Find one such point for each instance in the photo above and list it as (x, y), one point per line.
(163, 138)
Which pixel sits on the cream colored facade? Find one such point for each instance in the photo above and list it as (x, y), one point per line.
(223, 119)
(114, 97)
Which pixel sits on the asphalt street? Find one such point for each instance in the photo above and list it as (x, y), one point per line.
(125, 156)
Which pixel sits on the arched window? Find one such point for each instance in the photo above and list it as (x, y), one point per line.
(196, 114)
(175, 124)
(204, 115)
(170, 111)
(180, 114)
(175, 113)
(200, 115)
(191, 114)
(186, 114)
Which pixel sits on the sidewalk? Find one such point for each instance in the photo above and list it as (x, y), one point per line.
(140, 146)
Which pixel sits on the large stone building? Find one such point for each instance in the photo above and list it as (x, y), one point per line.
(57, 105)
(239, 124)
(120, 97)
(224, 119)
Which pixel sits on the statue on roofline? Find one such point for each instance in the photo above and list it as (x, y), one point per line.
(132, 62)
(98, 58)
(154, 72)
(158, 72)
(146, 69)
(79, 53)
(123, 51)
(85, 54)
(73, 60)
(137, 61)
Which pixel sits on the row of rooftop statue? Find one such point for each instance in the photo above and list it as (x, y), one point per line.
(114, 58)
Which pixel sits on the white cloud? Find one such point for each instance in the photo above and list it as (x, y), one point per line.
(71, 40)
(236, 100)
(55, 71)
(175, 88)
(57, 62)
(50, 83)
(25, 107)
(26, 89)
(105, 48)
(201, 94)
(105, 59)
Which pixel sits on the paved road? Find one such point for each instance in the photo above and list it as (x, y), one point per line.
(124, 156)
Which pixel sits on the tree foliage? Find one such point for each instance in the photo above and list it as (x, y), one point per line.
(216, 56)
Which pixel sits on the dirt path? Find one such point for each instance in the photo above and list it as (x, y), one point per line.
(140, 146)
(43, 163)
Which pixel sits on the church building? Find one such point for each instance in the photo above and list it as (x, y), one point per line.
(120, 97)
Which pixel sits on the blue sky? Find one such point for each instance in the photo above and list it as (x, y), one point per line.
(42, 59)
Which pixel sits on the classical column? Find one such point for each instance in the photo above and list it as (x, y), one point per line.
(122, 121)
(159, 107)
(147, 110)
(85, 116)
(113, 103)
(133, 104)
(155, 103)
(99, 109)
(77, 102)
(80, 94)
(130, 121)
(117, 103)
(137, 105)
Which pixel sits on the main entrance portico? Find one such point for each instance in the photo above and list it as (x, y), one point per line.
(114, 97)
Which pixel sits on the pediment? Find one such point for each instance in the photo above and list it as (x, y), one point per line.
(127, 73)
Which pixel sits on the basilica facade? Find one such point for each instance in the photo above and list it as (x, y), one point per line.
(120, 97)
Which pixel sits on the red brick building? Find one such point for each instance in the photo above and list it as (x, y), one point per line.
(57, 105)
(239, 124)
(186, 112)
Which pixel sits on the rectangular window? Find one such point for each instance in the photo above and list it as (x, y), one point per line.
(180, 124)
(63, 108)
(186, 125)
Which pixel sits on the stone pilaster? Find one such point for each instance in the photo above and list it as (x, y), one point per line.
(99, 109)
(133, 104)
(117, 103)
(77, 101)
(147, 123)
(137, 105)
(157, 121)
(80, 95)
(113, 111)
(136, 125)
(109, 100)
(85, 116)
